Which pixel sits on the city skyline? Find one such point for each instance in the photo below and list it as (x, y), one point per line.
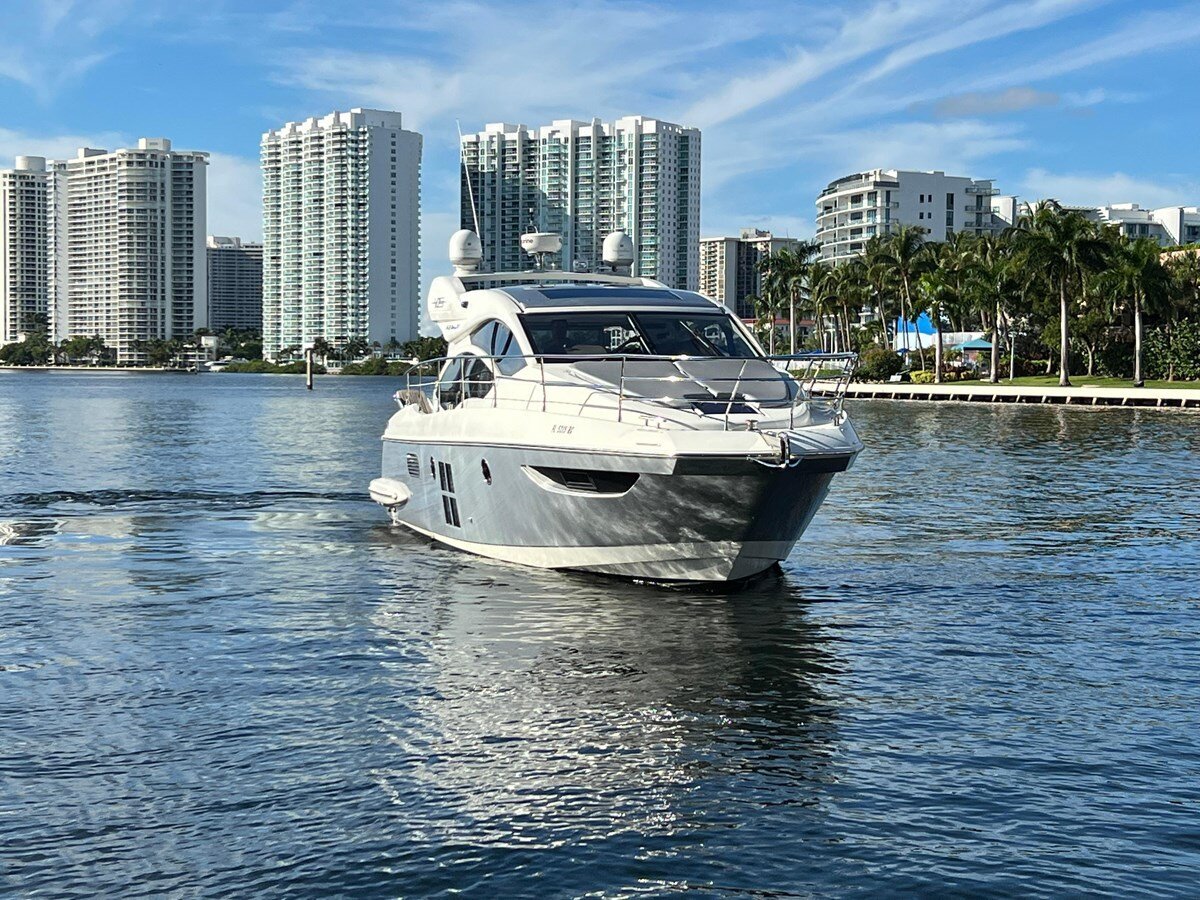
(1075, 99)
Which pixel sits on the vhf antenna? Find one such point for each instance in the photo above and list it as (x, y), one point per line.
(467, 175)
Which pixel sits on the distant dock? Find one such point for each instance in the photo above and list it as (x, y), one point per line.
(1180, 398)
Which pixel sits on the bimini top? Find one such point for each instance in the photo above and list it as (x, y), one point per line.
(547, 296)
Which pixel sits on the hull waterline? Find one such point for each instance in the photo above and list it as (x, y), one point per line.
(699, 518)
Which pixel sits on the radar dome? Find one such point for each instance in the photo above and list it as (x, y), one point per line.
(618, 250)
(466, 252)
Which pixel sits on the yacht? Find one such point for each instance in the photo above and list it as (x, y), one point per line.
(608, 423)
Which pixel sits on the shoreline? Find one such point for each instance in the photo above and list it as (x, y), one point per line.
(122, 369)
(1084, 395)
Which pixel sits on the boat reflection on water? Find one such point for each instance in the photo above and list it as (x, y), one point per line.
(559, 701)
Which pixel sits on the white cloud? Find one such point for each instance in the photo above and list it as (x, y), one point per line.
(234, 196)
(954, 147)
(608, 59)
(1146, 32)
(50, 43)
(978, 103)
(1076, 189)
(60, 146)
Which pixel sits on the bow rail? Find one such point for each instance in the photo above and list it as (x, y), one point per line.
(530, 382)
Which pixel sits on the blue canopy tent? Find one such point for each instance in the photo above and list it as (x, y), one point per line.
(972, 351)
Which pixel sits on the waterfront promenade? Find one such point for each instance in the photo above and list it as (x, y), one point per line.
(1084, 395)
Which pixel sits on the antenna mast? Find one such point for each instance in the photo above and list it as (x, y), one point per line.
(467, 175)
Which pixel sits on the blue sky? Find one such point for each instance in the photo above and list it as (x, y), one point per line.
(1083, 100)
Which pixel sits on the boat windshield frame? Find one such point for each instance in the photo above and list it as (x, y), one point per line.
(643, 333)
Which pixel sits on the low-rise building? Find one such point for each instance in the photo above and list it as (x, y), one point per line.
(1169, 225)
(858, 207)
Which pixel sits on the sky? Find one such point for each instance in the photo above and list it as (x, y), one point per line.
(1086, 101)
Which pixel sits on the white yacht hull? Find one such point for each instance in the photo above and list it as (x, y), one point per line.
(701, 516)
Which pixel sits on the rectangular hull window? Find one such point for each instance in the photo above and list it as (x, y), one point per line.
(446, 475)
(450, 508)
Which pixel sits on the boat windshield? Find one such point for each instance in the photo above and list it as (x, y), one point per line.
(634, 334)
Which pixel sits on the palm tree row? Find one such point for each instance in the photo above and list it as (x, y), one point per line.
(1053, 273)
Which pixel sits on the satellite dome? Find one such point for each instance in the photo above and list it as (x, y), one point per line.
(466, 251)
(618, 250)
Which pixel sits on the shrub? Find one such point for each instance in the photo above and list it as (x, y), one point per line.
(266, 367)
(879, 364)
(922, 377)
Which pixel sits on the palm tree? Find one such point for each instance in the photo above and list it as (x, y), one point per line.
(765, 314)
(1062, 245)
(853, 292)
(934, 290)
(881, 282)
(797, 261)
(1137, 277)
(774, 291)
(356, 347)
(905, 252)
(998, 279)
(822, 291)
(322, 348)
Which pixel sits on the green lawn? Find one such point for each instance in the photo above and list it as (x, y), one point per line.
(1081, 380)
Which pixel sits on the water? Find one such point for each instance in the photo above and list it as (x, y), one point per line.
(221, 671)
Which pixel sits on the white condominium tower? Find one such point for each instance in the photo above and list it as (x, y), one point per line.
(24, 275)
(856, 208)
(729, 268)
(584, 180)
(126, 245)
(341, 230)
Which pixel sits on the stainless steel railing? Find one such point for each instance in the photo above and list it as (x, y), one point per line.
(817, 379)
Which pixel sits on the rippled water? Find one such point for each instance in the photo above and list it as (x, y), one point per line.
(222, 672)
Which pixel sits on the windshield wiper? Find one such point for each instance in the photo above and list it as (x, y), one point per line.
(703, 341)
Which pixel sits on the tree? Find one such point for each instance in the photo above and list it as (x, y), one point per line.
(424, 348)
(322, 348)
(904, 251)
(998, 282)
(796, 264)
(933, 289)
(1137, 280)
(1062, 245)
(822, 294)
(356, 348)
(774, 292)
(881, 284)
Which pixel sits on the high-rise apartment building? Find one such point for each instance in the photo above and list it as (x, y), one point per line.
(24, 275)
(234, 284)
(584, 180)
(341, 230)
(125, 243)
(856, 208)
(729, 267)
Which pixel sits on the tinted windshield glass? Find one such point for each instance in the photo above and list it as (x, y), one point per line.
(655, 334)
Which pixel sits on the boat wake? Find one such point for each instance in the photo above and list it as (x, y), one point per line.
(112, 498)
